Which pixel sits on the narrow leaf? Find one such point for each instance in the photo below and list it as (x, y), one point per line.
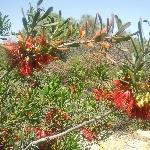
(24, 20)
(66, 21)
(51, 24)
(70, 31)
(95, 23)
(39, 2)
(107, 25)
(60, 14)
(140, 34)
(111, 23)
(86, 27)
(49, 10)
(123, 28)
(118, 22)
(35, 19)
(100, 19)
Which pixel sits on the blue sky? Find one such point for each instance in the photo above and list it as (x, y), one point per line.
(128, 10)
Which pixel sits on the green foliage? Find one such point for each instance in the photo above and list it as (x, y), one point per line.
(137, 62)
(77, 73)
(5, 25)
(34, 19)
(25, 102)
(40, 21)
(102, 72)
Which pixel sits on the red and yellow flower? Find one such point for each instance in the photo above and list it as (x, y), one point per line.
(28, 54)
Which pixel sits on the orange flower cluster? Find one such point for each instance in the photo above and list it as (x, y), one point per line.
(123, 98)
(27, 54)
(88, 134)
(101, 94)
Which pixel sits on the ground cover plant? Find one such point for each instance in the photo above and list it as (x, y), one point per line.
(51, 98)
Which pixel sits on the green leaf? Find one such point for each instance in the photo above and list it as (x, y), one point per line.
(140, 34)
(49, 10)
(123, 28)
(139, 67)
(135, 49)
(25, 24)
(60, 14)
(58, 34)
(34, 33)
(39, 2)
(95, 23)
(66, 21)
(100, 19)
(118, 22)
(35, 19)
(108, 25)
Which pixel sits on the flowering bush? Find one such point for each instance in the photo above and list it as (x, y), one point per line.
(123, 98)
(27, 54)
(42, 108)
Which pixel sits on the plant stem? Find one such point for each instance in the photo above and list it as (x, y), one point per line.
(67, 131)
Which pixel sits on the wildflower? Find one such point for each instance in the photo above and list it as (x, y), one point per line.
(26, 68)
(88, 134)
(141, 112)
(29, 43)
(40, 133)
(123, 85)
(121, 98)
(41, 39)
(101, 94)
(26, 54)
(43, 59)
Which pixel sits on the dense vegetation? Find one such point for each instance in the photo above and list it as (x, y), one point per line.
(62, 80)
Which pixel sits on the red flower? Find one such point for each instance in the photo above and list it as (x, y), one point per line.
(43, 59)
(66, 117)
(101, 94)
(88, 134)
(41, 39)
(25, 68)
(40, 133)
(29, 44)
(13, 49)
(28, 47)
(49, 116)
(123, 85)
(121, 98)
(141, 112)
